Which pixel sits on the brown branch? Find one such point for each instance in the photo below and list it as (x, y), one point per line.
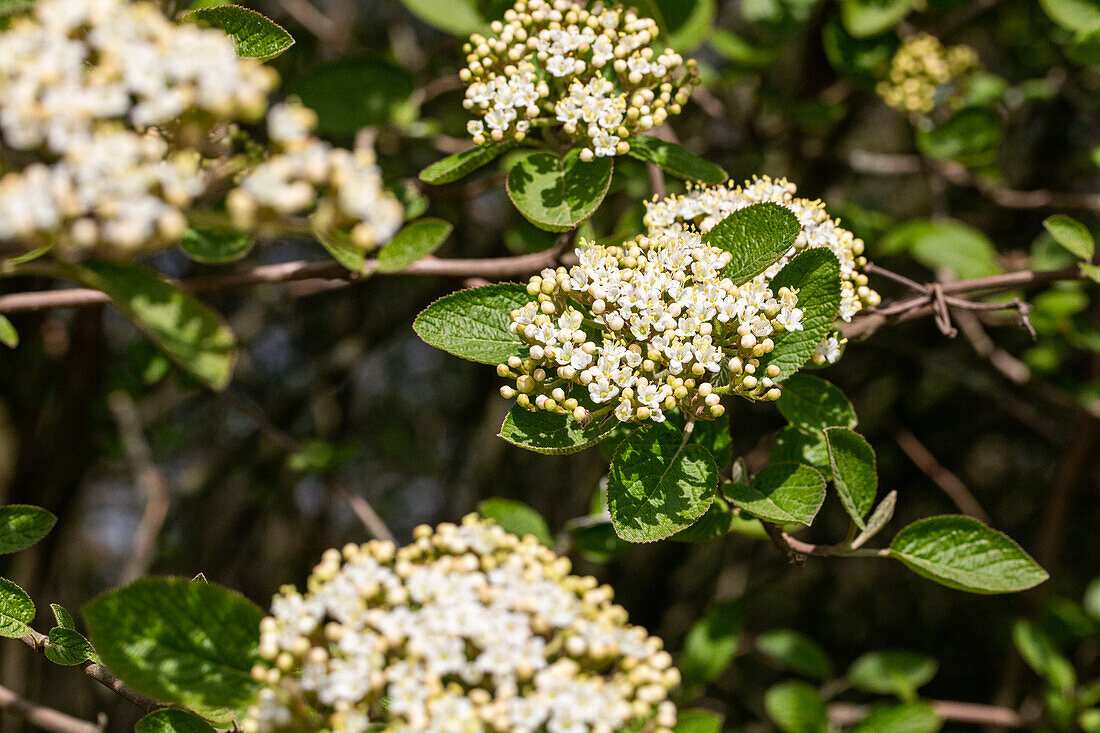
(845, 714)
(42, 716)
(951, 484)
(797, 550)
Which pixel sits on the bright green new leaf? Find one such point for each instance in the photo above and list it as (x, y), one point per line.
(212, 247)
(1091, 602)
(913, 717)
(675, 160)
(517, 518)
(972, 137)
(962, 553)
(816, 275)
(812, 404)
(659, 483)
(739, 51)
(796, 707)
(756, 237)
(544, 432)
(719, 521)
(172, 721)
(557, 194)
(1071, 234)
(68, 647)
(457, 17)
(338, 244)
(64, 618)
(187, 331)
(455, 167)
(796, 652)
(698, 721)
(794, 446)
(879, 518)
(712, 643)
(1041, 654)
(863, 18)
(22, 526)
(8, 335)
(177, 641)
(417, 239)
(1073, 15)
(256, 36)
(473, 324)
(855, 472)
(351, 93)
(782, 493)
(892, 672)
(16, 610)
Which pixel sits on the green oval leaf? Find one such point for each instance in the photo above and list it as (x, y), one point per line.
(68, 647)
(914, 717)
(659, 484)
(1071, 234)
(947, 244)
(816, 275)
(972, 137)
(457, 17)
(698, 721)
(796, 707)
(756, 236)
(473, 324)
(964, 554)
(796, 652)
(172, 721)
(188, 332)
(718, 521)
(417, 239)
(16, 610)
(213, 247)
(864, 18)
(794, 446)
(892, 672)
(782, 493)
(544, 432)
(675, 160)
(22, 526)
(64, 618)
(855, 473)
(1041, 654)
(557, 194)
(178, 641)
(8, 335)
(256, 36)
(712, 643)
(517, 518)
(1073, 15)
(812, 404)
(456, 166)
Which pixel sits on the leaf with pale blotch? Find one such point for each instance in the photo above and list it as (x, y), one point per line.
(855, 472)
(673, 159)
(557, 194)
(782, 493)
(964, 554)
(16, 610)
(756, 237)
(416, 240)
(545, 432)
(812, 404)
(473, 324)
(256, 36)
(1071, 234)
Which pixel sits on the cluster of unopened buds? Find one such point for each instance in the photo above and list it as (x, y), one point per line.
(591, 71)
(101, 91)
(468, 628)
(645, 327)
(342, 189)
(926, 79)
(700, 208)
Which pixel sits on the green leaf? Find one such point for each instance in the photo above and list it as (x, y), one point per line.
(68, 647)
(14, 7)
(517, 518)
(181, 642)
(1073, 15)
(719, 521)
(22, 526)
(555, 193)
(320, 456)
(213, 247)
(962, 553)
(352, 93)
(343, 250)
(1071, 234)
(816, 275)
(698, 721)
(864, 18)
(674, 159)
(794, 651)
(16, 610)
(255, 36)
(1043, 656)
(864, 59)
(880, 517)
(812, 404)
(855, 473)
(712, 643)
(456, 166)
(172, 721)
(913, 717)
(8, 335)
(557, 435)
(1092, 599)
(972, 137)
(457, 17)
(688, 22)
(794, 446)
(892, 672)
(658, 484)
(737, 50)
(796, 707)
(417, 239)
(782, 493)
(946, 244)
(188, 332)
(757, 236)
(473, 324)
(64, 618)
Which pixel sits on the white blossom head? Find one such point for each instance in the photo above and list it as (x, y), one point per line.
(467, 629)
(927, 80)
(592, 70)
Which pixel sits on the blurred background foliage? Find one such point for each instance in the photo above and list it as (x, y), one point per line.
(336, 398)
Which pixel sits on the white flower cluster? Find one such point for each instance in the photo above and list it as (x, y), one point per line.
(646, 327)
(468, 629)
(85, 84)
(591, 71)
(342, 188)
(701, 208)
(927, 79)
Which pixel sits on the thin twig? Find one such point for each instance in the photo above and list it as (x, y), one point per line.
(42, 716)
(942, 476)
(845, 714)
(797, 550)
(364, 511)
